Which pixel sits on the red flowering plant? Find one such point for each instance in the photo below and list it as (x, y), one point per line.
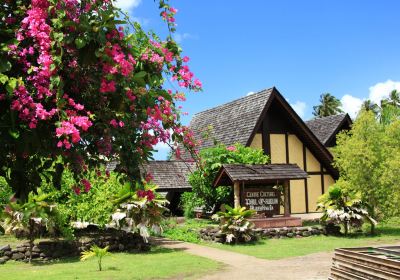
(139, 210)
(81, 85)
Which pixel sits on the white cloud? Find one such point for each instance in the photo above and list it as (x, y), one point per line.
(382, 90)
(250, 93)
(351, 105)
(300, 108)
(179, 37)
(127, 5)
(377, 92)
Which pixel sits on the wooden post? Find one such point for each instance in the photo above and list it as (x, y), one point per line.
(286, 198)
(236, 194)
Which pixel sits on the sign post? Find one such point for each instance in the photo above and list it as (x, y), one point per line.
(263, 199)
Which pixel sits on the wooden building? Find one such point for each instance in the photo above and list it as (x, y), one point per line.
(266, 120)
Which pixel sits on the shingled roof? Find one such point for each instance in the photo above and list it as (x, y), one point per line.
(258, 173)
(170, 175)
(232, 122)
(327, 127)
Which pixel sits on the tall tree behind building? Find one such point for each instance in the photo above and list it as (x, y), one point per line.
(329, 106)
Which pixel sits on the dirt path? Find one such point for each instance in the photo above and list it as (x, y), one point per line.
(311, 267)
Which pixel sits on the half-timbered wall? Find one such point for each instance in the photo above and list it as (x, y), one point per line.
(288, 148)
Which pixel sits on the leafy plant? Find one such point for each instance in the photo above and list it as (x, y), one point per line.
(97, 252)
(211, 161)
(139, 209)
(342, 208)
(235, 225)
(189, 202)
(28, 218)
(368, 160)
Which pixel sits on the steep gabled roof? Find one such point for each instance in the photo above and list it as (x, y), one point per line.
(232, 122)
(327, 127)
(170, 174)
(239, 120)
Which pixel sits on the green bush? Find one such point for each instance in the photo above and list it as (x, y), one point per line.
(211, 161)
(5, 192)
(189, 202)
(187, 231)
(235, 225)
(94, 206)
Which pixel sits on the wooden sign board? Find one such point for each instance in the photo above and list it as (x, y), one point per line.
(263, 199)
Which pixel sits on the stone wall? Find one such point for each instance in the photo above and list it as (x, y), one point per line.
(214, 234)
(117, 241)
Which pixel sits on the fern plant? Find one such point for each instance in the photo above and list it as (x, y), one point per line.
(235, 225)
(96, 251)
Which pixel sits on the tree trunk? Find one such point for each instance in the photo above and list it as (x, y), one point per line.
(99, 261)
(372, 214)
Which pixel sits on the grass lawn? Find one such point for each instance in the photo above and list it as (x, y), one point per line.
(158, 264)
(291, 247)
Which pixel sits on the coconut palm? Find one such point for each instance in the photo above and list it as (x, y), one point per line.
(368, 105)
(329, 106)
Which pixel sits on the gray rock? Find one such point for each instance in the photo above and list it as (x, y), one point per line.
(290, 234)
(2, 261)
(5, 248)
(8, 254)
(36, 249)
(306, 233)
(5, 258)
(121, 247)
(17, 256)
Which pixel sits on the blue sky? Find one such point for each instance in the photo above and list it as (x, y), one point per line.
(349, 48)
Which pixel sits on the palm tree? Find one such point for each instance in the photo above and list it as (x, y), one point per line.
(368, 105)
(329, 106)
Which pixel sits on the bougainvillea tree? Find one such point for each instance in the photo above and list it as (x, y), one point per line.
(80, 85)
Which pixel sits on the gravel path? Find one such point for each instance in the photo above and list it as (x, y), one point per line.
(311, 267)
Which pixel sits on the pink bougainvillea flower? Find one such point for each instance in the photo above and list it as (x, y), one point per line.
(231, 148)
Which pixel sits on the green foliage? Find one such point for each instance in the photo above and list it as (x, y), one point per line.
(139, 209)
(97, 252)
(94, 206)
(344, 208)
(211, 161)
(368, 158)
(235, 225)
(329, 105)
(27, 218)
(187, 231)
(5, 192)
(189, 201)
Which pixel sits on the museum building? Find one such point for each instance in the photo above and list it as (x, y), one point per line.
(263, 120)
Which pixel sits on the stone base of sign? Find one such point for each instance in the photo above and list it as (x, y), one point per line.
(277, 222)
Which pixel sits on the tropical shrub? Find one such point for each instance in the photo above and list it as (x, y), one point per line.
(94, 206)
(27, 218)
(368, 159)
(211, 161)
(341, 207)
(97, 252)
(189, 202)
(139, 209)
(235, 225)
(80, 85)
(5, 192)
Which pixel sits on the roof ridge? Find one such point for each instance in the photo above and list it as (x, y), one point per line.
(326, 117)
(235, 100)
